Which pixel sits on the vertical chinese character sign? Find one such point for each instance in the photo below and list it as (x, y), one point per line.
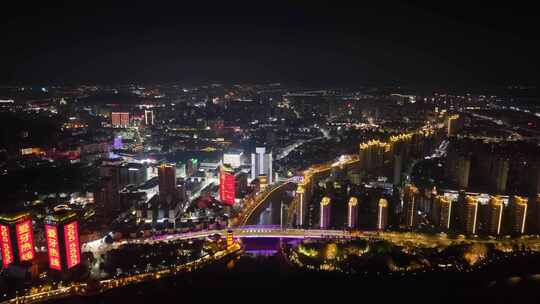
(25, 240)
(5, 243)
(51, 234)
(71, 238)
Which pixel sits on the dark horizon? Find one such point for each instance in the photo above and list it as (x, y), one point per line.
(305, 43)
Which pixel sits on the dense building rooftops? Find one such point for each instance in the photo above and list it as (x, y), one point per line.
(14, 217)
(61, 217)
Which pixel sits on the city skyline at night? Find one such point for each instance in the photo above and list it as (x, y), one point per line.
(240, 151)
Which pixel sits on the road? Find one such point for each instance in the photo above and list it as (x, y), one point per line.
(251, 205)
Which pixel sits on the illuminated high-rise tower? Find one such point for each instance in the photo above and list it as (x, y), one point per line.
(382, 214)
(495, 215)
(149, 117)
(120, 119)
(167, 180)
(410, 205)
(261, 164)
(227, 185)
(445, 211)
(16, 238)
(518, 209)
(62, 236)
(470, 214)
(301, 205)
(325, 213)
(352, 214)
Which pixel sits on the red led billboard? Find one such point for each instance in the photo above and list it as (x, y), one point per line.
(71, 238)
(227, 187)
(5, 242)
(25, 240)
(53, 248)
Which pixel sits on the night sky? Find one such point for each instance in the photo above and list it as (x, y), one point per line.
(310, 42)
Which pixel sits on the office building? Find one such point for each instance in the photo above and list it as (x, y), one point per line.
(261, 164)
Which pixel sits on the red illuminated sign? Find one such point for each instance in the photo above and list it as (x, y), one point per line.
(227, 187)
(71, 238)
(53, 248)
(5, 242)
(25, 240)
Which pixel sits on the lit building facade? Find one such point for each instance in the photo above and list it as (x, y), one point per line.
(382, 214)
(518, 207)
(352, 214)
(470, 214)
(227, 185)
(120, 119)
(167, 180)
(445, 211)
(62, 236)
(325, 213)
(261, 164)
(410, 205)
(495, 215)
(16, 238)
(149, 117)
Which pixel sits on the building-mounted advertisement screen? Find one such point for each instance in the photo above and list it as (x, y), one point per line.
(25, 240)
(53, 248)
(71, 238)
(5, 243)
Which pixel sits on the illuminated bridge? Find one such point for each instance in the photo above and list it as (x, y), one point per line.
(275, 194)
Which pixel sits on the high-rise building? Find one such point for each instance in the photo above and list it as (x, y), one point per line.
(325, 213)
(192, 166)
(227, 187)
(498, 176)
(167, 180)
(537, 212)
(398, 167)
(62, 236)
(454, 124)
(301, 206)
(132, 174)
(16, 238)
(495, 215)
(382, 214)
(230, 238)
(149, 117)
(458, 168)
(445, 211)
(233, 158)
(261, 164)
(120, 119)
(410, 205)
(470, 214)
(518, 209)
(352, 216)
